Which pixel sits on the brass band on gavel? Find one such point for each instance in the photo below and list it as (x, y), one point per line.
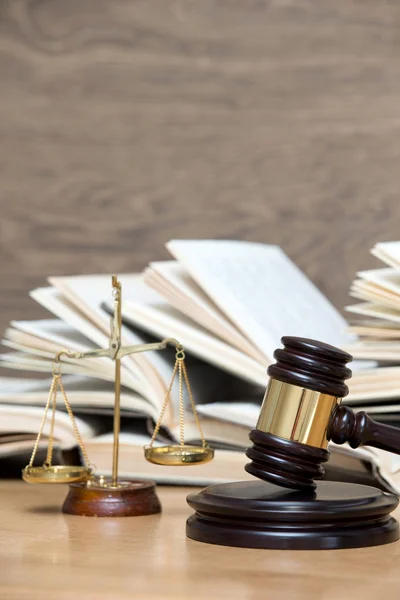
(297, 414)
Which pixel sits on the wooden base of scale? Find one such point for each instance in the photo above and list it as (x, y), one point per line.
(102, 499)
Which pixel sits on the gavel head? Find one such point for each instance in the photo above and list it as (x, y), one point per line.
(290, 440)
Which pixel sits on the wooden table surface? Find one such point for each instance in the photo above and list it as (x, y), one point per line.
(47, 555)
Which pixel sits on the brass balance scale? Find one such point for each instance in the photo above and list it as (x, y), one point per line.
(96, 495)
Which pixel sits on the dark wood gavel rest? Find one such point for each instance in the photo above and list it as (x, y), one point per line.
(258, 514)
(264, 514)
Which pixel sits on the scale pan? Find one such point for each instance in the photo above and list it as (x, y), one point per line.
(56, 474)
(178, 455)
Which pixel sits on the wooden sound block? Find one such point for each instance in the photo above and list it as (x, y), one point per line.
(258, 514)
(100, 499)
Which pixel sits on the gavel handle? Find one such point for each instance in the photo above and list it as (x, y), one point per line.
(358, 429)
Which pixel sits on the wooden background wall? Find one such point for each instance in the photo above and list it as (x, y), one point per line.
(124, 123)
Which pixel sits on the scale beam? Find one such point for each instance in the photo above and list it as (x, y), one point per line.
(122, 351)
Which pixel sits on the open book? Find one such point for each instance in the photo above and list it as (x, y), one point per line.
(228, 302)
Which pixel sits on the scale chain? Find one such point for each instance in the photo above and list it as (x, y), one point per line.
(181, 405)
(167, 398)
(74, 425)
(39, 435)
(195, 414)
(50, 446)
(180, 368)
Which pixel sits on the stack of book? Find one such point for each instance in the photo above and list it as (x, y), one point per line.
(228, 303)
(378, 334)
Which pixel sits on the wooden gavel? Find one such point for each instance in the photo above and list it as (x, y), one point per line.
(301, 413)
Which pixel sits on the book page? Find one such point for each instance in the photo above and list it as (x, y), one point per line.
(371, 292)
(376, 330)
(53, 301)
(380, 286)
(56, 331)
(374, 384)
(173, 282)
(31, 355)
(217, 433)
(388, 252)
(375, 350)
(27, 419)
(389, 279)
(47, 346)
(261, 291)
(82, 392)
(25, 361)
(241, 413)
(379, 409)
(369, 309)
(13, 446)
(162, 319)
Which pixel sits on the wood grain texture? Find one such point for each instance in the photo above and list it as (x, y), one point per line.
(126, 123)
(46, 555)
